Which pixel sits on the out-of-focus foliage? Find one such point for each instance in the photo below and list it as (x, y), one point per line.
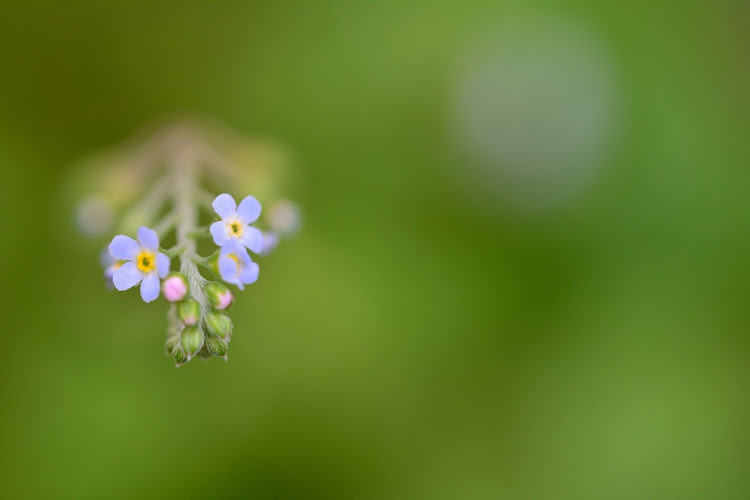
(434, 331)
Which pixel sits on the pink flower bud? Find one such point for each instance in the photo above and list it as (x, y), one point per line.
(219, 295)
(223, 300)
(189, 312)
(174, 288)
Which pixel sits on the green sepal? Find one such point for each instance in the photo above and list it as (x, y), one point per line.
(216, 346)
(204, 353)
(179, 355)
(212, 263)
(219, 324)
(191, 340)
(171, 343)
(189, 312)
(214, 292)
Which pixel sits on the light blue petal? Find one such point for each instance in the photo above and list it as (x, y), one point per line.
(150, 287)
(219, 232)
(224, 205)
(124, 248)
(234, 246)
(241, 253)
(249, 210)
(228, 270)
(148, 238)
(252, 238)
(226, 248)
(249, 273)
(127, 276)
(227, 267)
(162, 265)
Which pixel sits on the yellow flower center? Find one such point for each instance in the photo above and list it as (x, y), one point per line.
(234, 228)
(234, 258)
(146, 262)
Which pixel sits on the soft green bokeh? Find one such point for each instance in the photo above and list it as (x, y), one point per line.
(417, 340)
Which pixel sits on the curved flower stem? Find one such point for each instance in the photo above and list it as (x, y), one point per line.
(173, 252)
(205, 198)
(201, 232)
(165, 224)
(217, 162)
(147, 207)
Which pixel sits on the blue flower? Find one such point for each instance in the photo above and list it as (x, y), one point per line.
(235, 266)
(235, 222)
(145, 263)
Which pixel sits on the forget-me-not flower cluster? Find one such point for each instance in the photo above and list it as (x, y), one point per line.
(171, 177)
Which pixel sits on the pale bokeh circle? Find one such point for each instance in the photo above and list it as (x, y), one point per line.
(535, 108)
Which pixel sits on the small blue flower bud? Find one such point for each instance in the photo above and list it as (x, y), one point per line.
(219, 324)
(191, 340)
(189, 312)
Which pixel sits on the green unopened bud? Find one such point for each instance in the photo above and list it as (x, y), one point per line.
(216, 346)
(171, 343)
(189, 312)
(191, 340)
(212, 263)
(219, 324)
(179, 355)
(219, 295)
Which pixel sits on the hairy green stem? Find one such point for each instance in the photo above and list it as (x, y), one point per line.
(185, 168)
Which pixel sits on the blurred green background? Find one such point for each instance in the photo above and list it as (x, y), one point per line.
(522, 274)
